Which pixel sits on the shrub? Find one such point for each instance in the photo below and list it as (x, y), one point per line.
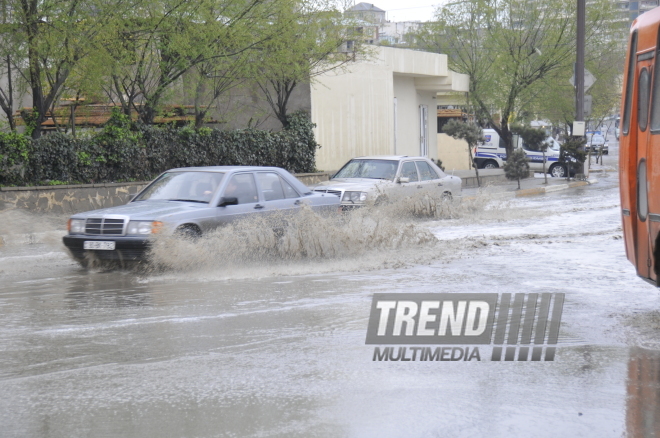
(123, 151)
(14, 157)
(516, 166)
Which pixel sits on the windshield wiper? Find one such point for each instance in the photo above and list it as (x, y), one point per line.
(189, 200)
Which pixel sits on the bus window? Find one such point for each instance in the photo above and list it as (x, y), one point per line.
(643, 99)
(642, 198)
(629, 83)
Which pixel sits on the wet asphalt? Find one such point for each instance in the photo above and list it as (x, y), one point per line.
(279, 349)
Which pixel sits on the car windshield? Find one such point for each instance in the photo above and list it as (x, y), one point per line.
(183, 186)
(597, 139)
(366, 168)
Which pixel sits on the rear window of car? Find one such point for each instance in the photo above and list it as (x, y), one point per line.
(426, 173)
(408, 170)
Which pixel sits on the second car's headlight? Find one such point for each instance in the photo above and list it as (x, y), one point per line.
(143, 227)
(76, 226)
(354, 197)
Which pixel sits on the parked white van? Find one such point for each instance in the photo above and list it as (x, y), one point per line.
(492, 154)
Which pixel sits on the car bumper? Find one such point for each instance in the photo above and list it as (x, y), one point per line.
(126, 248)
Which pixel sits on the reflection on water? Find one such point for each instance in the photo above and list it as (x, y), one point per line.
(107, 289)
(643, 405)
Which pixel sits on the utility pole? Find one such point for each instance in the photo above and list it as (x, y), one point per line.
(579, 68)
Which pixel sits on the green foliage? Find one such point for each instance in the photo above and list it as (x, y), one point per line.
(471, 133)
(516, 52)
(120, 153)
(516, 166)
(30, 118)
(572, 154)
(14, 155)
(534, 138)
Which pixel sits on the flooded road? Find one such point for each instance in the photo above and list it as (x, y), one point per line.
(278, 348)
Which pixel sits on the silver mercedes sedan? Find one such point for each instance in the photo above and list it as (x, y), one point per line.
(189, 201)
(380, 178)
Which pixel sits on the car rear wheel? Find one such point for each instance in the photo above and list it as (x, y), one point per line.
(490, 164)
(557, 170)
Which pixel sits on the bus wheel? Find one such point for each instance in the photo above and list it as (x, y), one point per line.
(490, 164)
(557, 170)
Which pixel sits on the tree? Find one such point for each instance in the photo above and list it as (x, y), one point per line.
(516, 166)
(472, 134)
(508, 47)
(166, 39)
(572, 155)
(51, 37)
(555, 98)
(535, 140)
(308, 46)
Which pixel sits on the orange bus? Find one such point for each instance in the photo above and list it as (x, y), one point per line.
(639, 148)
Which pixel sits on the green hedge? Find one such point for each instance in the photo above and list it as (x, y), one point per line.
(122, 152)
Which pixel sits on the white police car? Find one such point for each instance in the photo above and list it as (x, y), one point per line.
(492, 154)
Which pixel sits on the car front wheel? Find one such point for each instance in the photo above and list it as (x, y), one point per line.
(557, 170)
(189, 231)
(490, 164)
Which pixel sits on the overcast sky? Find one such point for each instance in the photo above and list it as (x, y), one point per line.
(406, 10)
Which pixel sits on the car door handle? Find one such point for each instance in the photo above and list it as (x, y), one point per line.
(439, 184)
(420, 187)
(298, 202)
(258, 206)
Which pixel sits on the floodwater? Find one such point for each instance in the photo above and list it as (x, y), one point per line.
(274, 345)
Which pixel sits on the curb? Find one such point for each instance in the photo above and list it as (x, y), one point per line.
(553, 188)
(536, 190)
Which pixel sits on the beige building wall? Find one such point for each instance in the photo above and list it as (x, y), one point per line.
(356, 113)
(408, 130)
(353, 114)
(453, 153)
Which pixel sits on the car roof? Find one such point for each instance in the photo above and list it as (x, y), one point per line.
(223, 168)
(295, 182)
(388, 157)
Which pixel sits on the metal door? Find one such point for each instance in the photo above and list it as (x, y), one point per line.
(644, 73)
(423, 131)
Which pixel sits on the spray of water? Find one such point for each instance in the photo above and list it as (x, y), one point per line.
(385, 234)
(304, 235)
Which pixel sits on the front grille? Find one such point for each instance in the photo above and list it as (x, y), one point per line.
(332, 192)
(104, 227)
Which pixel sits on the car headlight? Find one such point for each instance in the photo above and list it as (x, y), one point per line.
(76, 226)
(354, 197)
(144, 227)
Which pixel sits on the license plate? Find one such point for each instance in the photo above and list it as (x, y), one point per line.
(95, 244)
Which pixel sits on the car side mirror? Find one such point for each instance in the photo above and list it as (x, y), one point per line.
(402, 179)
(229, 200)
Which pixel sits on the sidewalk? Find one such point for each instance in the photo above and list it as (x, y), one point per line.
(528, 187)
